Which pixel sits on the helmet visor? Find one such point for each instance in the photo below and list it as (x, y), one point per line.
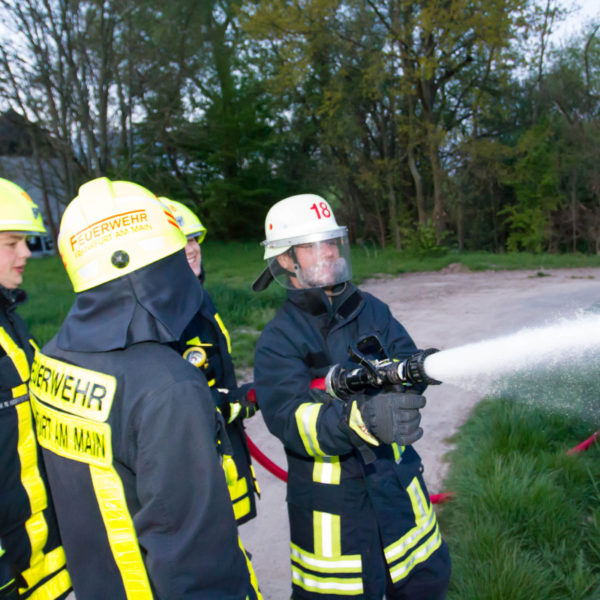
(318, 264)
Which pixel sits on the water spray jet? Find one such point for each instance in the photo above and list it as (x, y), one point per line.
(558, 347)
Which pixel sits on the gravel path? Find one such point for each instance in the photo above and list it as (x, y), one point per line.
(443, 310)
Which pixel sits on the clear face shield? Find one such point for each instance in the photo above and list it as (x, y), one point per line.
(315, 264)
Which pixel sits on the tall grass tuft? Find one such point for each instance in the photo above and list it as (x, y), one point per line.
(524, 523)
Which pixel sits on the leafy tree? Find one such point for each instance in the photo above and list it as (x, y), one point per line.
(386, 82)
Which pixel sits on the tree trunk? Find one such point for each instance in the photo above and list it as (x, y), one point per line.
(418, 181)
(393, 213)
(439, 212)
(460, 215)
(574, 212)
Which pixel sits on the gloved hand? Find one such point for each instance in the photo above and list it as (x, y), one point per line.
(386, 418)
(242, 402)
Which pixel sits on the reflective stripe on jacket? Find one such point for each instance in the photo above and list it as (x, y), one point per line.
(28, 527)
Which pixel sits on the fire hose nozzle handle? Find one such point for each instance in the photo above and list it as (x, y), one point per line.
(332, 381)
(413, 370)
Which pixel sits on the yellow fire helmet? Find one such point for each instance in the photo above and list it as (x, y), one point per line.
(186, 219)
(113, 228)
(18, 212)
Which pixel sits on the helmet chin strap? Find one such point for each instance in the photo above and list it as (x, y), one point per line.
(342, 289)
(298, 275)
(298, 270)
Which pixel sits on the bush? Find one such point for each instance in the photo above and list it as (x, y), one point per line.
(422, 240)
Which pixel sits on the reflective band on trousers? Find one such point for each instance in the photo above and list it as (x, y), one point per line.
(425, 522)
(352, 563)
(327, 585)
(420, 555)
(327, 534)
(327, 560)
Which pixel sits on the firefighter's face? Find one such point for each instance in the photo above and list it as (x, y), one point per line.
(316, 265)
(13, 256)
(194, 255)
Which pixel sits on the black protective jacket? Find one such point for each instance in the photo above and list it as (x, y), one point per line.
(28, 529)
(358, 530)
(207, 333)
(131, 442)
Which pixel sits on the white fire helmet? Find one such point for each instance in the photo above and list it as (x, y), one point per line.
(304, 245)
(113, 228)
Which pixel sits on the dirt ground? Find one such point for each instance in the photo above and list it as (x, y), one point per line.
(442, 310)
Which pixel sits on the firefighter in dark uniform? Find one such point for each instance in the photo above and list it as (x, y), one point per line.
(206, 344)
(361, 522)
(131, 438)
(32, 560)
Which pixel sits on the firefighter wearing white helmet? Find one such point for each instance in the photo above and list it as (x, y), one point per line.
(304, 245)
(136, 469)
(361, 523)
(206, 343)
(32, 560)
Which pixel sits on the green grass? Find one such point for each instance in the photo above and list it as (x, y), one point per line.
(371, 261)
(525, 521)
(50, 296)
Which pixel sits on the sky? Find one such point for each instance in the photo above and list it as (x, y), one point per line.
(583, 11)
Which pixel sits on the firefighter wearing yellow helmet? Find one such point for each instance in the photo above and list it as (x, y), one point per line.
(206, 343)
(194, 231)
(32, 560)
(361, 522)
(140, 494)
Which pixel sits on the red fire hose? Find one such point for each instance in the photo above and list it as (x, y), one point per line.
(585, 444)
(263, 460)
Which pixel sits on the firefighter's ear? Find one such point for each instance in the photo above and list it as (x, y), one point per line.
(286, 261)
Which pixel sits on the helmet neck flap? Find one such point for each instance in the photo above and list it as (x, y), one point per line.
(154, 303)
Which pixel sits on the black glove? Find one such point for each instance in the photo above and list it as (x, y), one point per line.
(242, 402)
(386, 418)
